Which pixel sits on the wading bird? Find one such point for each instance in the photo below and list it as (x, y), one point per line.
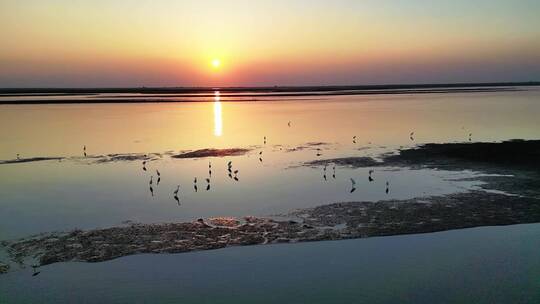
(35, 272)
(353, 185)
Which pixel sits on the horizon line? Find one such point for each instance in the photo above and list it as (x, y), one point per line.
(272, 87)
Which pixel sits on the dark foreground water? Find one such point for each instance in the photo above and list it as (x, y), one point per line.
(480, 265)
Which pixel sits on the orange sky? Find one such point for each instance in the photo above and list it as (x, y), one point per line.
(169, 43)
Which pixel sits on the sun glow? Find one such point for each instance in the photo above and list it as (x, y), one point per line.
(216, 63)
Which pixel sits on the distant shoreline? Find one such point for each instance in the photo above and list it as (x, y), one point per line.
(260, 89)
(236, 94)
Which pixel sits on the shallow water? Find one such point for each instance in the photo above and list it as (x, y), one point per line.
(78, 193)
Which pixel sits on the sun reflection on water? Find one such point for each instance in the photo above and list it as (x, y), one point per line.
(218, 122)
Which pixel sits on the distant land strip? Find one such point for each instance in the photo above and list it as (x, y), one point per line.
(168, 95)
(147, 90)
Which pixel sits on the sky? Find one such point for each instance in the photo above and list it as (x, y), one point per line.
(129, 43)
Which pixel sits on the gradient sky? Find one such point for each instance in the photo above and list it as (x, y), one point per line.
(76, 43)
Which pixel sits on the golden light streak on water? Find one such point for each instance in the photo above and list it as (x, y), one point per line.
(218, 119)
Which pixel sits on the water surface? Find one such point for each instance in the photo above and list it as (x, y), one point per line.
(77, 192)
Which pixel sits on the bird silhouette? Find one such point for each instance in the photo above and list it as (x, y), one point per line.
(151, 191)
(151, 179)
(334, 172)
(208, 180)
(235, 172)
(177, 189)
(18, 156)
(207, 187)
(289, 124)
(354, 139)
(158, 174)
(387, 187)
(34, 269)
(177, 199)
(209, 165)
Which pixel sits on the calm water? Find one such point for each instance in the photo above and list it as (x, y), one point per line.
(77, 193)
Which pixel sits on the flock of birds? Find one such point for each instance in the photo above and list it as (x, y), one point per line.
(232, 174)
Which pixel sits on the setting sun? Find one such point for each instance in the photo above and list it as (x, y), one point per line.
(216, 63)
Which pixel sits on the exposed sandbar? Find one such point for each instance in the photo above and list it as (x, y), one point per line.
(212, 153)
(29, 160)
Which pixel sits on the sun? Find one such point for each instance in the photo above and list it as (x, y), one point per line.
(216, 63)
